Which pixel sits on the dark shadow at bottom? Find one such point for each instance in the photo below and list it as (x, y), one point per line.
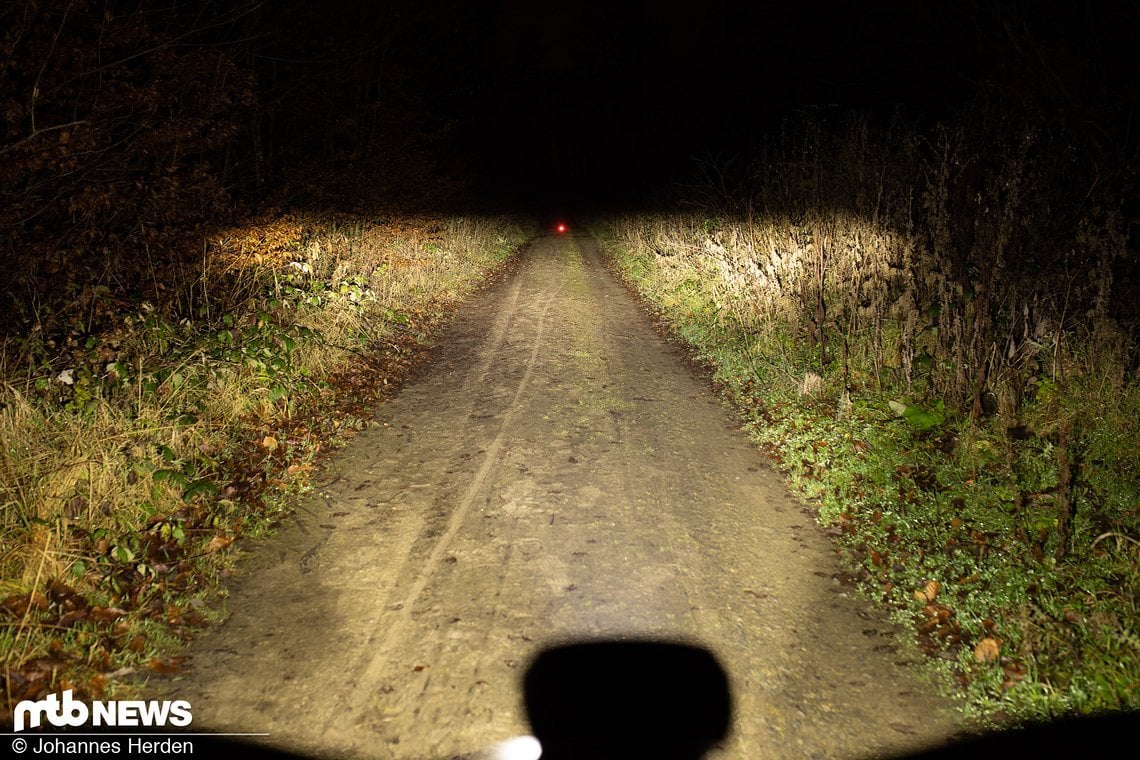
(651, 700)
(627, 699)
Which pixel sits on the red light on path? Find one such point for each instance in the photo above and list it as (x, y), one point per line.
(561, 228)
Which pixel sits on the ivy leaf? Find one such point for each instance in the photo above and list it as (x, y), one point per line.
(174, 477)
(923, 419)
(202, 487)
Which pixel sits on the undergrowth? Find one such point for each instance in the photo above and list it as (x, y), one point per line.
(951, 520)
(134, 457)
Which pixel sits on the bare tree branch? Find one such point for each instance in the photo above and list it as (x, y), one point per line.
(37, 132)
(43, 68)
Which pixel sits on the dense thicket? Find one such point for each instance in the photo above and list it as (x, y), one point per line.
(961, 249)
(132, 127)
(117, 121)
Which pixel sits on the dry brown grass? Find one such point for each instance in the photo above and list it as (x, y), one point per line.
(129, 461)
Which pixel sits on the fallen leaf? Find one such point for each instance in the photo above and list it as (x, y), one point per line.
(68, 619)
(235, 488)
(19, 604)
(217, 543)
(929, 625)
(269, 443)
(987, 650)
(106, 614)
(931, 590)
(166, 666)
(96, 685)
(939, 613)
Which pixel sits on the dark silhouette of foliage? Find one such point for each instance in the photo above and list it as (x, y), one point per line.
(133, 128)
(117, 121)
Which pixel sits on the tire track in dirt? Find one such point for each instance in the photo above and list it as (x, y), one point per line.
(373, 668)
(559, 472)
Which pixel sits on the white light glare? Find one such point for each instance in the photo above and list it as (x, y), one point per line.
(518, 748)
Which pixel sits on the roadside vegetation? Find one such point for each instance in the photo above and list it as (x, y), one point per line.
(134, 457)
(933, 330)
(221, 247)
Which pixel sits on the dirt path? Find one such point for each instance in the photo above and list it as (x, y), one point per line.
(558, 473)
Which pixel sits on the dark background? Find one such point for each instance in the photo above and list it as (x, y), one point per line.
(133, 127)
(608, 104)
(528, 105)
(593, 105)
(518, 103)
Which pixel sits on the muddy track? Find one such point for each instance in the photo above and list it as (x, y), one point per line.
(558, 473)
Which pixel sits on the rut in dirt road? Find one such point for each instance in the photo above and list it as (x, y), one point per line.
(558, 473)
